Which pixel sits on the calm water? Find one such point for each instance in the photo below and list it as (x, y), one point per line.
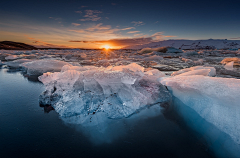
(27, 131)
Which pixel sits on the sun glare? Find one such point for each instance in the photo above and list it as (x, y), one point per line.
(106, 47)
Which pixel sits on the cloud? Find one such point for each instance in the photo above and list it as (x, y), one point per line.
(114, 3)
(138, 23)
(91, 15)
(120, 42)
(101, 31)
(128, 28)
(236, 38)
(98, 31)
(140, 34)
(170, 36)
(93, 35)
(133, 31)
(124, 42)
(158, 36)
(41, 44)
(76, 24)
(55, 18)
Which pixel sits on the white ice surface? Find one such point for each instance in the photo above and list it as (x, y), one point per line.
(214, 99)
(11, 57)
(17, 63)
(193, 71)
(38, 67)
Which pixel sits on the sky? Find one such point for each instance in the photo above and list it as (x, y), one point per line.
(95, 23)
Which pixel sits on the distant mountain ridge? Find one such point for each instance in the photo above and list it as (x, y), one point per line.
(9, 45)
(192, 44)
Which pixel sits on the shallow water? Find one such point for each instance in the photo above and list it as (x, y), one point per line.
(27, 131)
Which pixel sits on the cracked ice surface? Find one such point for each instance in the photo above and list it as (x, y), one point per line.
(91, 94)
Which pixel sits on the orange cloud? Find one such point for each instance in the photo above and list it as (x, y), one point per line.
(133, 31)
(236, 38)
(128, 28)
(140, 34)
(91, 15)
(120, 42)
(123, 42)
(83, 37)
(42, 44)
(101, 31)
(76, 24)
(170, 36)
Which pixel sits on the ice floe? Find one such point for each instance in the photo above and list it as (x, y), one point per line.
(38, 67)
(214, 99)
(112, 92)
(197, 70)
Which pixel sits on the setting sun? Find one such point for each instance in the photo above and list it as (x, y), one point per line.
(106, 47)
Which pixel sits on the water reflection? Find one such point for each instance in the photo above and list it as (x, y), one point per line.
(31, 78)
(12, 70)
(100, 129)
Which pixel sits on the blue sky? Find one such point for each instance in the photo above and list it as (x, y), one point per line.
(92, 24)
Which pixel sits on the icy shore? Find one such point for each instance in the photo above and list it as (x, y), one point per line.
(91, 88)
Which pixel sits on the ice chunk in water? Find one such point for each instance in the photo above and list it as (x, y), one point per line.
(83, 55)
(11, 57)
(229, 59)
(113, 92)
(229, 66)
(214, 99)
(38, 67)
(17, 63)
(203, 71)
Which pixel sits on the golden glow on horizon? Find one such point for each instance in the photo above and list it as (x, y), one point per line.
(106, 47)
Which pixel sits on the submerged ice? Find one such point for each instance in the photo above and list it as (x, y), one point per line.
(83, 94)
